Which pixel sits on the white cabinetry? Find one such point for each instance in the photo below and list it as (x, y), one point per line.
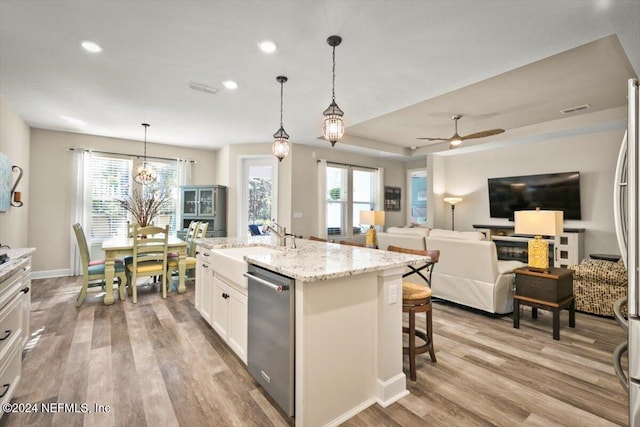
(220, 307)
(204, 286)
(15, 300)
(230, 316)
(223, 304)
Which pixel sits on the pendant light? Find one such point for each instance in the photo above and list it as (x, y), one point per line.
(333, 125)
(144, 173)
(280, 146)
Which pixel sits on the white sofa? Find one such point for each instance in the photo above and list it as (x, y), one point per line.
(404, 237)
(469, 272)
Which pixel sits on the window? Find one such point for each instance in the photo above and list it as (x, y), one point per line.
(337, 193)
(111, 181)
(259, 193)
(167, 183)
(417, 184)
(349, 191)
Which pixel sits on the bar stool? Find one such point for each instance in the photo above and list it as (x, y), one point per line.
(417, 299)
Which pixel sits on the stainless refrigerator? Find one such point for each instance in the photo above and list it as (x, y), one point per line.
(626, 199)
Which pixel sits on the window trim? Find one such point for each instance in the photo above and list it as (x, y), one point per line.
(348, 202)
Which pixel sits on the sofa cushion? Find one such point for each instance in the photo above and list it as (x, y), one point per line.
(414, 231)
(461, 235)
(505, 266)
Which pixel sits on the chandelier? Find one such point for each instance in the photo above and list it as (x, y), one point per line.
(144, 173)
(333, 125)
(280, 146)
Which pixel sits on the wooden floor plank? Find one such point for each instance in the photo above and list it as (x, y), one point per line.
(159, 363)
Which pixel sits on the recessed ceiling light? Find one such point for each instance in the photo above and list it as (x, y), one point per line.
(230, 84)
(90, 46)
(74, 121)
(267, 46)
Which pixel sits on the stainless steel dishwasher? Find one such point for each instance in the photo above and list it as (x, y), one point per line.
(271, 334)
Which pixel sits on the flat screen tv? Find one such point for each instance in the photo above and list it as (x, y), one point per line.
(552, 191)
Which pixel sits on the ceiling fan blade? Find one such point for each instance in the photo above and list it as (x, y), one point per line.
(483, 134)
(435, 139)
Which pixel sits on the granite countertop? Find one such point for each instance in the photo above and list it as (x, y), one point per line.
(312, 261)
(17, 258)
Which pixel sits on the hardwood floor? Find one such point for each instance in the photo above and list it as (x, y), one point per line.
(158, 363)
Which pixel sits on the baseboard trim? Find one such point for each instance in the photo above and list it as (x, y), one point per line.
(391, 390)
(48, 274)
(351, 413)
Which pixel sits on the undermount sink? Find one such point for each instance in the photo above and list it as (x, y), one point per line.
(230, 263)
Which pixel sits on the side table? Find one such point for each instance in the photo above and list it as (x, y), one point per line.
(552, 290)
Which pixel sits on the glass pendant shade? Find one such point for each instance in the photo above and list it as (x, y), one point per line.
(333, 122)
(333, 125)
(144, 173)
(280, 146)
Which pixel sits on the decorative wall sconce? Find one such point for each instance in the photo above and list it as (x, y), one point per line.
(16, 196)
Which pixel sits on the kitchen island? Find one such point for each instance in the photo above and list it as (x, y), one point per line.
(348, 323)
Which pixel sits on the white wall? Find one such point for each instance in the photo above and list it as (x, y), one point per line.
(304, 181)
(14, 142)
(51, 186)
(228, 173)
(594, 155)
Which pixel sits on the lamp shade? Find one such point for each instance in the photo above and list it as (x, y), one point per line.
(453, 200)
(372, 217)
(538, 223)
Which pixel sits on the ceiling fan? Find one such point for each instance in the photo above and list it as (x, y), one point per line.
(456, 139)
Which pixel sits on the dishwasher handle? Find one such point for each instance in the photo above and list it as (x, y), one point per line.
(277, 288)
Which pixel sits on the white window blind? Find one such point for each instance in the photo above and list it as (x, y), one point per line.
(167, 183)
(111, 181)
(336, 199)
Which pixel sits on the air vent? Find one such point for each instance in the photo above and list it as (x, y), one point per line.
(202, 88)
(575, 109)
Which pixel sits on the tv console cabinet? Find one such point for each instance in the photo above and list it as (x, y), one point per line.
(564, 250)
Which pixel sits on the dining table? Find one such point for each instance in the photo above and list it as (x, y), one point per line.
(118, 247)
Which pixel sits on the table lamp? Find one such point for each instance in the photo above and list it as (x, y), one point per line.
(452, 201)
(538, 223)
(372, 218)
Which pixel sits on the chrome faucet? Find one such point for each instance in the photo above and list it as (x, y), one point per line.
(279, 229)
(293, 240)
(281, 233)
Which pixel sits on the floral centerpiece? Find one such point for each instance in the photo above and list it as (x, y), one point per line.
(144, 208)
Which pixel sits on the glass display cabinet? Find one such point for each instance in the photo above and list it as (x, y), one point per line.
(204, 203)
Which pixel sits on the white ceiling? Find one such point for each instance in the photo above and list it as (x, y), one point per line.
(403, 69)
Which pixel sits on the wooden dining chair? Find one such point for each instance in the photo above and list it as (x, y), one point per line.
(349, 243)
(93, 270)
(317, 239)
(149, 257)
(190, 261)
(201, 231)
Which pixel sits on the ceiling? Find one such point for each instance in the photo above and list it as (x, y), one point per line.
(403, 69)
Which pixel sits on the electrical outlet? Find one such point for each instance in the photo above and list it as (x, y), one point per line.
(393, 294)
(297, 215)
